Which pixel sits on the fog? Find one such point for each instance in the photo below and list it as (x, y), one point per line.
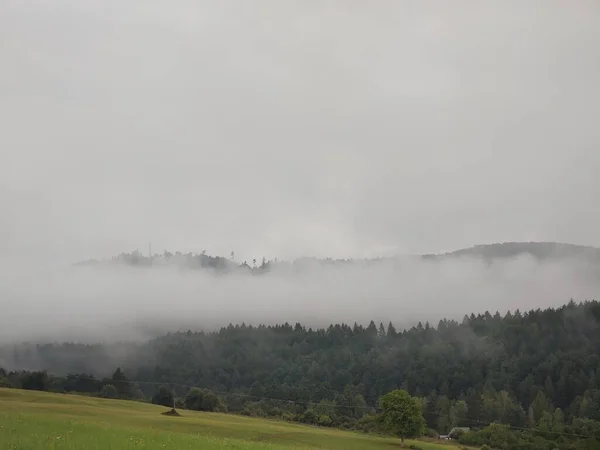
(114, 303)
(291, 128)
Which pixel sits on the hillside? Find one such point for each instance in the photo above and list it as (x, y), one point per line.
(518, 369)
(39, 420)
(542, 251)
(539, 250)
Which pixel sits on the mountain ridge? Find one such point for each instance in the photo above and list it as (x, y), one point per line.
(540, 250)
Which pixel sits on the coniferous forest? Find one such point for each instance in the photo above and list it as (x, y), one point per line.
(519, 380)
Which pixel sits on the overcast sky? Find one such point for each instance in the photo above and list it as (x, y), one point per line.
(282, 128)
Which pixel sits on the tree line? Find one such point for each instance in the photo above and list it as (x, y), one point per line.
(534, 376)
(540, 251)
(219, 264)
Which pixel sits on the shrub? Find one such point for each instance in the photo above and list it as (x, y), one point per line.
(203, 400)
(109, 391)
(456, 434)
(430, 432)
(135, 393)
(325, 420)
(164, 397)
(309, 417)
(368, 423)
(35, 381)
(253, 409)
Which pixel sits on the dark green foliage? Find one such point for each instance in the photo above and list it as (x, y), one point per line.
(87, 384)
(430, 432)
(84, 383)
(109, 391)
(456, 433)
(369, 423)
(119, 381)
(134, 392)
(35, 381)
(538, 369)
(203, 400)
(4, 380)
(163, 396)
(495, 435)
(496, 365)
(253, 409)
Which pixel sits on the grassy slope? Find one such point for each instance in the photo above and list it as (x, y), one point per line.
(40, 420)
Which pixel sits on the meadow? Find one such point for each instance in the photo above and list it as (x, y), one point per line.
(46, 421)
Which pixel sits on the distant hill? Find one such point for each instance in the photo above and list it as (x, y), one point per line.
(542, 251)
(539, 250)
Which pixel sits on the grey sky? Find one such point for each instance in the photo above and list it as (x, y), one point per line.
(281, 128)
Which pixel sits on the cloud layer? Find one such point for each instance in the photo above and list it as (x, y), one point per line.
(116, 302)
(286, 129)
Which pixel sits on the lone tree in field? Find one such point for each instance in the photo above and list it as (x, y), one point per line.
(402, 415)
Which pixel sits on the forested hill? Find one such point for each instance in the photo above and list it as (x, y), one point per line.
(541, 251)
(522, 369)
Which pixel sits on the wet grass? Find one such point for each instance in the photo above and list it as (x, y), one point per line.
(45, 421)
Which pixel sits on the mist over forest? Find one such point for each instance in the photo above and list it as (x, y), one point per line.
(278, 201)
(133, 297)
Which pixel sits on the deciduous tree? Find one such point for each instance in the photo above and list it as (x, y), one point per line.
(402, 415)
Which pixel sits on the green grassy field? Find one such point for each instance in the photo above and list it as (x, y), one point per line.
(40, 420)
